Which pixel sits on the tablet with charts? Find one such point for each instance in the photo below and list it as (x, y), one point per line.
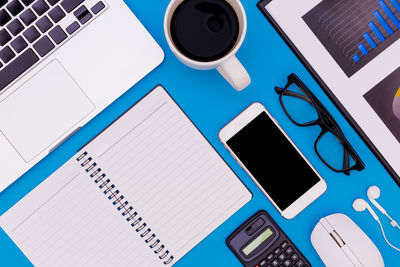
(352, 48)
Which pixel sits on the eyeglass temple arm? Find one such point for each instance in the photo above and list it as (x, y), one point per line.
(293, 94)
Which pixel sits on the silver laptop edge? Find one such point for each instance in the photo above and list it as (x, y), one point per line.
(71, 84)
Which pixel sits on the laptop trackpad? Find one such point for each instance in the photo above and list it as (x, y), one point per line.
(46, 107)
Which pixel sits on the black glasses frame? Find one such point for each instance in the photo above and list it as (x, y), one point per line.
(325, 121)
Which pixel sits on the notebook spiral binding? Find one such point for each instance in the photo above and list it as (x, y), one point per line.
(122, 205)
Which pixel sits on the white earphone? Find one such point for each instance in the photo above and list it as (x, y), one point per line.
(362, 205)
(374, 193)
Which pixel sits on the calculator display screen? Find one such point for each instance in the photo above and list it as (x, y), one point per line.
(267, 233)
(273, 161)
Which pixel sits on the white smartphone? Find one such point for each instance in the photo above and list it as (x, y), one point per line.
(272, 160)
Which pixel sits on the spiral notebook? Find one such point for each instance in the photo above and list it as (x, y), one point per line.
(144, 192)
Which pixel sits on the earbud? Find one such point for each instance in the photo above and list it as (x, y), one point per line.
(362, 205)
(373, 194)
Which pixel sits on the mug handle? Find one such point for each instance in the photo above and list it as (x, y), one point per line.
(234, 72)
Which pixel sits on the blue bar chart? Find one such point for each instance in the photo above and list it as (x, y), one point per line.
(369, 40)
(355, 31)
(385, 23)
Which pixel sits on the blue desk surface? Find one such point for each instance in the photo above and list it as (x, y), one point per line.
(211, 103)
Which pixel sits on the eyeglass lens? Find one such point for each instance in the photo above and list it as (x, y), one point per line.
(298, 105)
(331, 151)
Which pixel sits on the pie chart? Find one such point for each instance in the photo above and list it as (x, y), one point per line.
(396, 104)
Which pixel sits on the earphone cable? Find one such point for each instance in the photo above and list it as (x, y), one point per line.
(387, 241)
(392, 222)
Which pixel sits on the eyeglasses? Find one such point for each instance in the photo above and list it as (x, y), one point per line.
(304, 109)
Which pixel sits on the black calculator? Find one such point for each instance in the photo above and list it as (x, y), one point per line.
(260, 242)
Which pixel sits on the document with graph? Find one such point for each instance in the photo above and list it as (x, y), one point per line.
(353, 48)
(144, 192)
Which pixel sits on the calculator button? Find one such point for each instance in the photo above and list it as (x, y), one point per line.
(294, 257)
(260, 222)
(289, 250)
(275, 262)
(277, 250)
(262, 263)
(300, 263)
(284, 244)
(270, 256)
(282, 257)
(287, 263)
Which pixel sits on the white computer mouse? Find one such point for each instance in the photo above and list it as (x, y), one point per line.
(340, 242)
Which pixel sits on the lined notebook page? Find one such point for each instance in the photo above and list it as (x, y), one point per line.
(66, 221)
(168, 172)
(160, 163)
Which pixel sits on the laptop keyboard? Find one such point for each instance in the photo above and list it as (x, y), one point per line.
(31, 30)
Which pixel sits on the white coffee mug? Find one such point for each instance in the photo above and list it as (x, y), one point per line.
(228, 66)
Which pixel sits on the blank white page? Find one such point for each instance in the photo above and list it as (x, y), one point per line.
(169, 173)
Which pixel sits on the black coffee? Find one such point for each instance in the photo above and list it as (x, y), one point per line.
(204, 30)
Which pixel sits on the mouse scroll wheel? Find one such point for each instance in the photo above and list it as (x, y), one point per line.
(337, 238)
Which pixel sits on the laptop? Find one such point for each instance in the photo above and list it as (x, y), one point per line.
(61, 63)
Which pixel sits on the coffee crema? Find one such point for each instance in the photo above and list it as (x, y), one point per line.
(204, 30)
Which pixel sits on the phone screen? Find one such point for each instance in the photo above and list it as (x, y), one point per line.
(273, 161)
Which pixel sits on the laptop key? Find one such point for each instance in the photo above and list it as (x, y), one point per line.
(58, 35)
(31, 34)
(15, 7)
(5, 37)
(6, 54)
(53, 2)
(15, 27)
(27, 2)
(73, 27)
(83, 14)
(40, 7)
(2, 3)
(43, 46)
(17, 67)
(19, 44)
(4, 17)
(70, 5)
(28, 17)
(44, 24)
(56, 14)
(98, 7)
